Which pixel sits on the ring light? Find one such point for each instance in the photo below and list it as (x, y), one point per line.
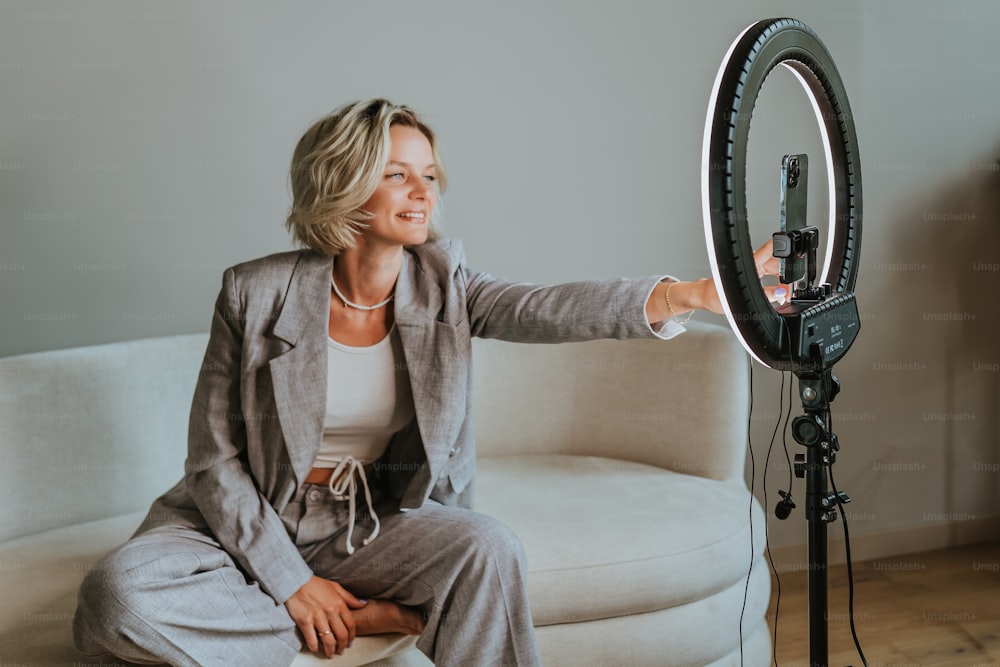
(785, 338)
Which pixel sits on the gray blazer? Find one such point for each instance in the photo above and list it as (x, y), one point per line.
(256, 419)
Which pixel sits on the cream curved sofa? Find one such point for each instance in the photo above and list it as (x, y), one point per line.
(619, 464)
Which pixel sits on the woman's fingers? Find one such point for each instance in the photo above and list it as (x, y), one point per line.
(767, 263)
(349, 598)
(337, 637)
(309, 634)
(776, 293)
(350, 626)
(329, 641)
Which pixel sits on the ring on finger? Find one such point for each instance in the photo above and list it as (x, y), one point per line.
(324, 634)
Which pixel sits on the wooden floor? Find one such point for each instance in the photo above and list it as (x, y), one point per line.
(935, 608)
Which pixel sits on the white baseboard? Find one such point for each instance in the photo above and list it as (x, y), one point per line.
(891, 543)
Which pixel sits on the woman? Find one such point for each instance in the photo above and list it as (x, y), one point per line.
(328, 484)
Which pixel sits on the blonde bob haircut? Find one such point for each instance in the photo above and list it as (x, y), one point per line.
(336, 167)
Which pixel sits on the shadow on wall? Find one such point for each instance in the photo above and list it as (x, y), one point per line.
(946, 285)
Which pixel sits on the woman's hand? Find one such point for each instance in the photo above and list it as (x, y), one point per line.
(322, 609)
(702, 294)
(769, 265)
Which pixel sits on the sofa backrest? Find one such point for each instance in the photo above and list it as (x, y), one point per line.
(680, 404)
(92, 432)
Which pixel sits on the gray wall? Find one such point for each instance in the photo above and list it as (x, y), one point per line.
(144, 147)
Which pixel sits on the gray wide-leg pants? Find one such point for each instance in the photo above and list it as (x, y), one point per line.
(174, 595)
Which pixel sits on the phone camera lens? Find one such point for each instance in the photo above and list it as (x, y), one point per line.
(793, 172)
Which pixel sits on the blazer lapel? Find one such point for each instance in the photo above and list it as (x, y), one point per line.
(298, 376)
(435, 358)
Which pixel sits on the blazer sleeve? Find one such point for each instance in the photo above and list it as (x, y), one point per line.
(217, 473)
(577, 311)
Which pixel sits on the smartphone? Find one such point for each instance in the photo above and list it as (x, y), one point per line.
(794, 184)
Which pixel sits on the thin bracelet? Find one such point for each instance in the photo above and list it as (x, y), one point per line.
(666, 297)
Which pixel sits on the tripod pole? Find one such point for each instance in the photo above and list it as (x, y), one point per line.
(817, 389)
(816, 492)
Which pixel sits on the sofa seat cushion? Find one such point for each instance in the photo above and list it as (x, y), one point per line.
(608, 538)
(39, 577)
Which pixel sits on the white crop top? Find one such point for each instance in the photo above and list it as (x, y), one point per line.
(368, 399)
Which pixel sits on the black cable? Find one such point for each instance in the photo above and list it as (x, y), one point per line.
(784, 435)
(770, 557)
(847, 545)
(753, 474)
(784, 439)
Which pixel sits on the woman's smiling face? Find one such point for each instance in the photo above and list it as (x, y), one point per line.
(406, 195)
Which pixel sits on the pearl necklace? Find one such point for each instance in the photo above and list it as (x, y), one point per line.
(351, 304)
